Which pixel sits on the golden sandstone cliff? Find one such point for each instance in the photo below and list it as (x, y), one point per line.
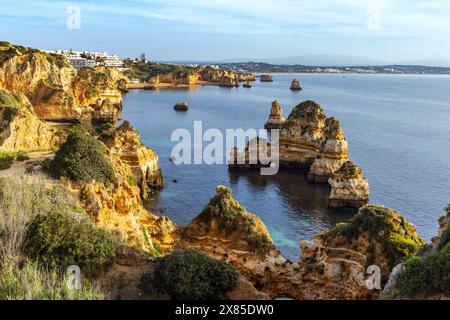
(126, 144)
(276, 119)
(333, 266)
(56, 90)
(311, 141)
(21, 129)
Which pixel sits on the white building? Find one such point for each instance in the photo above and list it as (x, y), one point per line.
(86, 59)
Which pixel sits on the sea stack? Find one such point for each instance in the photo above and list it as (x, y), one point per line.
(309, 140)
(276, 119)
(229, 82)
(295, 85)
(349, 188)
(266, 78)
(181, 106)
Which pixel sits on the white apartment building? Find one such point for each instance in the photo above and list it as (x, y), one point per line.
(86, 59)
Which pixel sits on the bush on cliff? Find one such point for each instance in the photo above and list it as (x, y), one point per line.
(426, 275)
(82, 158)
(61, 239)
(6, 162)
(192, 275)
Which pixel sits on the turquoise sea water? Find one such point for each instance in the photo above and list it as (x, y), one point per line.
(398, 129)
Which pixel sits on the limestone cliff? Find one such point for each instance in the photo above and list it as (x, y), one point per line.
(225, 219)
(381, 234)
(349, 188)
(312, 141)
(126, 144)
(276, 119)
(21, 129)
(118, 207)
(333, 266)
(229, 82)
(56, 90)
(216, 75)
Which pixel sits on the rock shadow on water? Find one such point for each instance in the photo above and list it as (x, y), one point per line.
(306, 200)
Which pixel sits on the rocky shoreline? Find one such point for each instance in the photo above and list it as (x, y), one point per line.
(35, 87)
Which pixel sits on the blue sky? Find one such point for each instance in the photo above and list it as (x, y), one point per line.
(212, 30)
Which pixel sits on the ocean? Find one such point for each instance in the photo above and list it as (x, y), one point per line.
(397, 127)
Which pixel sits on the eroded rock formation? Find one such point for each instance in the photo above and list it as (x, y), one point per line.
(276, 119)
(333, 266)
(312, 141)
(21, 129)
(56, 90)
(295, 85)
(349, 188)
(118, 207)
(229, 82)
(216, 75)
(126, 144)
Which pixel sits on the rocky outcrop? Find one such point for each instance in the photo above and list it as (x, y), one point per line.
(229, 82)
(225, 219)
(266, 78)
(56, 90)
(333, 266)
(295, 85)
(276, 119)
(216, 75)
(118, 207)
(349, 188)
(125, 143)
(21, 129)
(181, 106)
(381, 234)
(312, 141)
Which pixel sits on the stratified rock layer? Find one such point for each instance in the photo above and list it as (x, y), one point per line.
(276, 119)
(21, 129)
(333, 266)
(312, 141)
(56, 90)
(349, 188)
(126, 144)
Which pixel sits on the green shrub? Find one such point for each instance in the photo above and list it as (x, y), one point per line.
(6, 162)
(445, 238)
(82, 158)
(192, 275)
(60, 239)
(33, 282)
(427, 275)
(22, 157)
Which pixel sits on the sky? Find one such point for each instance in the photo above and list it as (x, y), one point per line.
(198, 30)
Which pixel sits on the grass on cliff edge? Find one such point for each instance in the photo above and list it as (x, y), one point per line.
(397, 236)
(231, 216)
(82, 158)
(23, 274)
(191, 275)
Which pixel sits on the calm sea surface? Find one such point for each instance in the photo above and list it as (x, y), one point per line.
(398, 129)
